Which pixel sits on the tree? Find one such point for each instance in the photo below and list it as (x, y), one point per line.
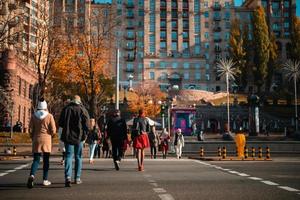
(294, 50)
(146, 96)
(292, 71)
(261, 44)
(272, 61)
(248, 47)
(238, 52)
(11, 18)
(84, 62)
(226, 68)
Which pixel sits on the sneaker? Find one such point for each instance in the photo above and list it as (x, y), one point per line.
(46, 183)
(68, 183)
(78, 181)
(62, 162)
(117, 165)
(30, 182)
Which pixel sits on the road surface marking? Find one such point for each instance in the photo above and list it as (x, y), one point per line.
(10, 171)
(226, 169)
(159, 190)
(147, 175)
(166, 197)
(21, 167)
(3, 174)
(233, 172)
(151, 181)
(289, 188)
(243, 174)
(255, 178)
(269, 183)
(154, 184)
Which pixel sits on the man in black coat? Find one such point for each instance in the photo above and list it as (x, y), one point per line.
(73, 123)
(117, 132)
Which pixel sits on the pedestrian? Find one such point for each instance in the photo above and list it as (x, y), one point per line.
(117, 132)
(73, 120)
(61, 143)
(99, 145)
(154, 141)
(178, 143)
(92, 139)
(140, 138)
(105, 148)
(42, 130)
(164, 142)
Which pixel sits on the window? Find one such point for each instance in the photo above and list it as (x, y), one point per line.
(174, 46)
(174, 24)
(286, 4)
(152, 38)
(174, 35)
(196, 6)
(152, 64)
(286, 14)
(186, 75)
(151, 75)
(197, 76)
(185, 35)
(163, 76)
(197, 49)
(227, 4)
(197, 65)
(163, 45)
(152, 48)
(286, 24)
(174, 65)
(227, 36)
(141, 3)
(163, 24)
(185, 45)
(119, 12)
(163, 35)
(206, 45)
(207, 66)
(227, 25)
(186, 65)
(207, 76)
(140, 66)
(20, 85)
(185, 24)
(206, 35)
(206, 25)
(129, 66)
(197, 39)
(141, 34)
(206, 14)
(197, 28)
(162, 64)
(141, 12)
(227, 16)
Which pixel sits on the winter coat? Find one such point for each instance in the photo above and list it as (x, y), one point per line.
(93, 136)
(153, 139)
(74, 120)
(117, 129)
(42, 129)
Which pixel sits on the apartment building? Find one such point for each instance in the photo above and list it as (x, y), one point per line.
(17, 69)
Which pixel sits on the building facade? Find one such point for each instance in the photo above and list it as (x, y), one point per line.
(18, 73)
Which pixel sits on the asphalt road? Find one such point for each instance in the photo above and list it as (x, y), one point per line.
(162, 179)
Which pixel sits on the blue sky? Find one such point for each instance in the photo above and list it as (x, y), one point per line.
(237, 2)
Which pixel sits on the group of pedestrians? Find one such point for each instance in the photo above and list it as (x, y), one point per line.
(75, 128)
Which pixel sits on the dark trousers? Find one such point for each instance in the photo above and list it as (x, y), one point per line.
(153, 151)
(117, 151)
(36, 162)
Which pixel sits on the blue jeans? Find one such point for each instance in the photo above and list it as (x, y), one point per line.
(77, 151)
(92, 150)
(36, 162)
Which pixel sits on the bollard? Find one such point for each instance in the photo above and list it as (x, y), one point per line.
(219, 152)
(268, 153)
(224, 153)
(14, 150)
(201, 152)
(246, 152)
(253, 152)
(259, 152)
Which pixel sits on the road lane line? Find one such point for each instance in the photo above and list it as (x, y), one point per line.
(10, 171)
(289, 189)
(233, 172)
(166, 197)
(269, 183)
(255, 178)
(21, 166)
(154, 184)
(3, 174)
(159, 190)
(243, 174)
(151, 181)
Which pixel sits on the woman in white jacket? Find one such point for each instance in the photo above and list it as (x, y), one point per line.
(178, 143)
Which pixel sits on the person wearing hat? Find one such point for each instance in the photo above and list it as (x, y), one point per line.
(117, 132)
(42, 130)
(74, 126)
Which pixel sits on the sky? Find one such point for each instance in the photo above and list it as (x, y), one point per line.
(237, 2)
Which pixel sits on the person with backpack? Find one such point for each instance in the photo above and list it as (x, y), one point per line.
(178, 143)
(117, 133)
(140, 138)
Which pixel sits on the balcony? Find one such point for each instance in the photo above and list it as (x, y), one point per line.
(129, 5)
(129, 70)
(130, 16)
(218, 50)
(217, 29)
(128, 37)
(129, 58)
(218, 40)
(129, 48)
(216, 7)
(217, 18)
